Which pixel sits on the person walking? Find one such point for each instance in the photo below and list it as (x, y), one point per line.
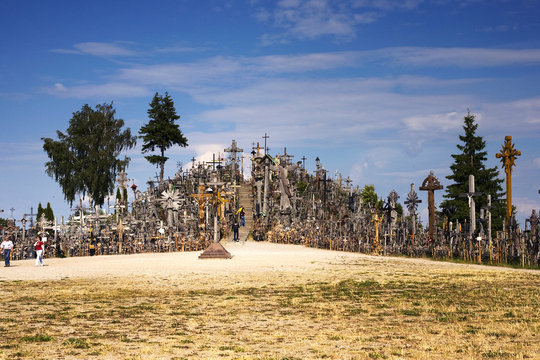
(235, 231)
(242, 217)
(6, 246)
(39, 251)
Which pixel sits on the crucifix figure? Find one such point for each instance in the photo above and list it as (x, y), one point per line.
(430, 184)
(472, 206)
(201, 198)
(233, 150)
(508, 157)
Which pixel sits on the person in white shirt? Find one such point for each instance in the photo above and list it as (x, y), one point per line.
(6, 246)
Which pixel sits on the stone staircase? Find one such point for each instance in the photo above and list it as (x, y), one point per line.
(245, 200)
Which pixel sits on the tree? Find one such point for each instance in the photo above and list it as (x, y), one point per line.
(470, 161)
(49, 214)
(369, 197)
(161, 132)
(86, 158)
(40, 211)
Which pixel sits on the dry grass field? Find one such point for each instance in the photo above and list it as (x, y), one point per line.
(268, 302)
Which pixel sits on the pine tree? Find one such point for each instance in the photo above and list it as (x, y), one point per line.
(49, 214)
(40, 211)
(161, 132)
(470, 161)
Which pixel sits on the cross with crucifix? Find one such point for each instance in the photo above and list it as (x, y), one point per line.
(201, 198)
(286, 158)
(472, 207)
(430, 184)
(508, 157)
(233, 149)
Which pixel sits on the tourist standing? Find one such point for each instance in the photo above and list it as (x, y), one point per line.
(6, 246)
(39, 251)
(235, 230)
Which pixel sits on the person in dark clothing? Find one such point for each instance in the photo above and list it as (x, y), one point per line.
(235, 227)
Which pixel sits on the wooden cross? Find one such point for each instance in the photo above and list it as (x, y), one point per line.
(508, 157)
(430, 184)
(201, 198)
(32, 215)
(258, 148)
(214, 161)
(233, 150)
(286, 157)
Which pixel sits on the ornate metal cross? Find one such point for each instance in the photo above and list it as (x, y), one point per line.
(508, 158)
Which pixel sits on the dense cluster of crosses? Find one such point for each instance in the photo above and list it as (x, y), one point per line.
(287, 204)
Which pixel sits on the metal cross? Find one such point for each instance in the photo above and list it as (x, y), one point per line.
(265, 148)
(508, 157)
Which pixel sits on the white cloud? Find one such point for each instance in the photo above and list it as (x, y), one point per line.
(310, 19)
(431, 122)
(525, 206)
(459, 57)
(537, 162)
(98, 49)
(109, 90)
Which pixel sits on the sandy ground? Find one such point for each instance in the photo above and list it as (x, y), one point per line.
(248, 257)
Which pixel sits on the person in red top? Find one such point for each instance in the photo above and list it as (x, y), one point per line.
(39, 251)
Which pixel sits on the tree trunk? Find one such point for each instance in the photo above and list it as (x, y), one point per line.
(162, 165)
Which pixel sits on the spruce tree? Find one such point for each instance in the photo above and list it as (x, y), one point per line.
(40, 211)
(471, 161)
(49, 214)
(161, 132)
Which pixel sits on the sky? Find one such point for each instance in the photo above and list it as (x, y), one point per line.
(377, 89)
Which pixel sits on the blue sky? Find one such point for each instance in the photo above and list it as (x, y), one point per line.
(377, 89)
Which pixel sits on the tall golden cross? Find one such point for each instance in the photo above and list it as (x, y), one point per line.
(376, 220)
(508, 157)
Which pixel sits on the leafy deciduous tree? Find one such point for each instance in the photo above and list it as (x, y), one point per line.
(86, 158)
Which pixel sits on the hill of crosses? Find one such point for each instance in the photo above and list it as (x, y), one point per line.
(280, 202)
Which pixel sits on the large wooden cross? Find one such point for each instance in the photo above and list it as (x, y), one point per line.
(430, 184)
(508, 157)
(201, 198)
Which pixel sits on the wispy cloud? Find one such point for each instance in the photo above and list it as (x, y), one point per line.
(100, 49)
(310, 19)
(101, 91)
(458, 57)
